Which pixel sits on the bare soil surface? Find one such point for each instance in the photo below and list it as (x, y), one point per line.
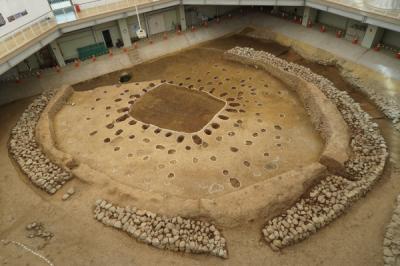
(353, 239)
(176, 108)
(257, 135)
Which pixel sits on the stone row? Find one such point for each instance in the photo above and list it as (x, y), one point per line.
(27, 153)
(391, 241)
(176, 233)
(389, 106)
(329, 198)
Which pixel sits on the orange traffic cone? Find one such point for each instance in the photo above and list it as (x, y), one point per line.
(398, 55)
(377, 47)
(322, 29)
(193, 29)
(93, 58)
(355, 41)
(77, 63)
(165, 36)
(110, 53)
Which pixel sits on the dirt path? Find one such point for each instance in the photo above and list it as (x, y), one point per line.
(354, 239)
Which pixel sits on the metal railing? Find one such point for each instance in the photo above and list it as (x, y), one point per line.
(108, 6)
(11, 41)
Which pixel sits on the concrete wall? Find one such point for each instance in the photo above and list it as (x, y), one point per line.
(195, 14)
(298, 11)
(332, 20)
(133, 24)
(391, 38)
(70, 42)
(355, 29)
(112, 27)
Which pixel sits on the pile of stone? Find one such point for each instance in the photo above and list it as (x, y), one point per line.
(26, 152)
(389, 106)
(329, 198)
(177, 234)
(391, 242)
(36, 229)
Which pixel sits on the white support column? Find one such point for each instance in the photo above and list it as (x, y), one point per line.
(57, 53)
(123, 28)
(372, 36)
(310, 14)
(182, 17)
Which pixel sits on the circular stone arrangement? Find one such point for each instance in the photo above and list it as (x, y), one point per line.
(325, 201)
(333, 195)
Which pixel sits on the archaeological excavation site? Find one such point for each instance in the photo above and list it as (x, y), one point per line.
(200, 132)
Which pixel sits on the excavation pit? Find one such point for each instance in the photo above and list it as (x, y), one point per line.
(183, 142)
(176, 108)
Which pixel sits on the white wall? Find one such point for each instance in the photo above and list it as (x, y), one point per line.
(35, 9)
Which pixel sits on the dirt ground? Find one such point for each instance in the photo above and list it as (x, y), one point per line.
(257, 135)
(353, 239)
(177, 108)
